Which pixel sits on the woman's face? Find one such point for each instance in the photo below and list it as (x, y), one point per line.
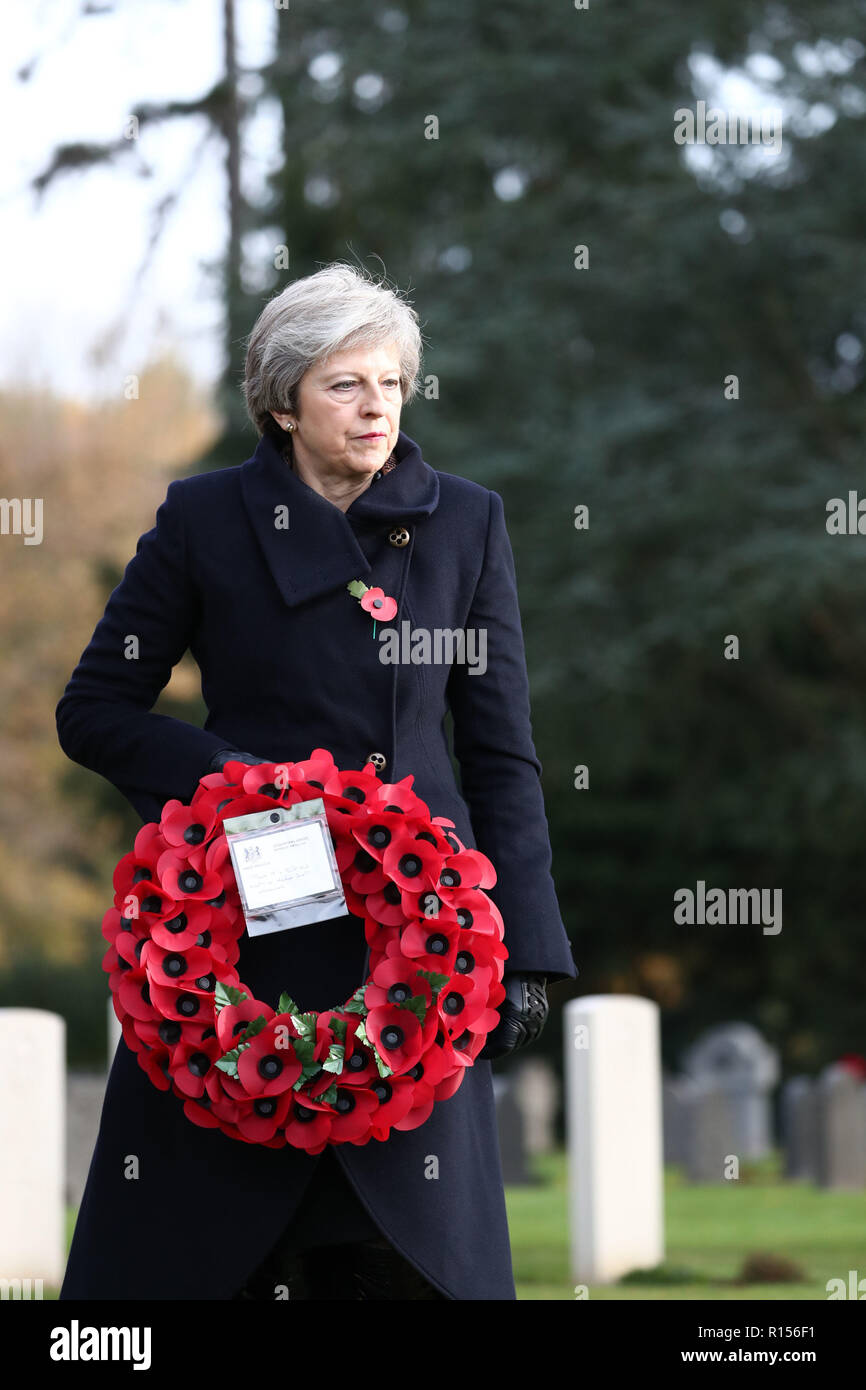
(341, 404)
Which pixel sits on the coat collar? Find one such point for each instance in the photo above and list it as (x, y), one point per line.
(318, 551)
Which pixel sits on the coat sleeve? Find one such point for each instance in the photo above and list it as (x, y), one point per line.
(103, 718)
(500, 771)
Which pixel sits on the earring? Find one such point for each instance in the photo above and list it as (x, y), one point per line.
(289, 427)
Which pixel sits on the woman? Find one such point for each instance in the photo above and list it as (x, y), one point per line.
(248, 567)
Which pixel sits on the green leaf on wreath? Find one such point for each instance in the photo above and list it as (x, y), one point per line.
(336, 1053)
(328, 1097)
(338, 1028)
(313, 1069)
(355, 1006)
(253, 1028)
(227, 994)
(305, 1024)
(417, 1005)
(229, 1062)
(382, 1066)
(361, 1034)
(304, 1049)
(287, 1005)
(434, 980)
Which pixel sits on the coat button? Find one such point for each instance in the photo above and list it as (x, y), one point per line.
(399, 536)
(378, 760)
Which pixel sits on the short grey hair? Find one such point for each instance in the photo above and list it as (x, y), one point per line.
(333, 310)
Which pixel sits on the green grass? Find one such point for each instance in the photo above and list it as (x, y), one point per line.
(710, 1230)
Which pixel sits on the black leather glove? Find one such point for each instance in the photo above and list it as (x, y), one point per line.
(522, 1014)
(233, 755)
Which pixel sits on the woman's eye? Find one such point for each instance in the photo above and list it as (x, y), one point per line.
(392, 381)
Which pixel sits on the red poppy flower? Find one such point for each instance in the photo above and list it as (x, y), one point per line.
(308, 1126)
(185, 825)
(234, 1018)
(156, 1062)
(268, 1113)
(396, 1035)
(394, 981)
(191, 1062)
(411, 863)
(353, 1110)
(266, 1066)
(189, 877)
(379, 605)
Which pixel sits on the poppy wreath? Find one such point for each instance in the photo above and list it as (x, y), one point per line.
(279, 1075)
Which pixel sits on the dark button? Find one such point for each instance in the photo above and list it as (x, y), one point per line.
(399, 536)
(378, 760)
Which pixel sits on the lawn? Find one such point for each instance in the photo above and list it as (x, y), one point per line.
(710, 1230)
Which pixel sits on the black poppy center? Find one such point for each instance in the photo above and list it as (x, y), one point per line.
(141, 872)
(379, 836)
(465, 962)
(169, 1032)
(392, 1036)
(194, 834)
(436, 944)
(357, 1062)
(174, 965)
(450, 878)
(176, 924)
(270, 1067)
(187, 1005)
(151, 903)
(398, 993)
(344, 1102)
(190, 881)
(382, 1090)
(264, 1106)
(453, 1003)
(199, 1063)
(409, 865)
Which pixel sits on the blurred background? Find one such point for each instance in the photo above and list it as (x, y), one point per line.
(693, 377)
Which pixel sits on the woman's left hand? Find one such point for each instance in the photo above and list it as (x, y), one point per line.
(522, 1015)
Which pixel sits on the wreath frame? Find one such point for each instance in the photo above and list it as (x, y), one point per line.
(287, 1076)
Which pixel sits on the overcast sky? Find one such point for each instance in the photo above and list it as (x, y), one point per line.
(69, 262)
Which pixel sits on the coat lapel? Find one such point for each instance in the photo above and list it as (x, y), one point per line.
(318, 551)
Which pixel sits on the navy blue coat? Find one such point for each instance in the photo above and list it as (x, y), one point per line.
(288, 664)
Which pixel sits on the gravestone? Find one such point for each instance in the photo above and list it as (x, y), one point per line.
(613, 1110)
(675, 1116)
(710, 1132)
(536, 1090)
(734, 1058)
(799, 1122)
(32, 1113)
(841, 1129)
(509, 1120)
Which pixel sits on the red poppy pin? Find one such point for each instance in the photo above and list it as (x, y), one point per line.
(375, 601)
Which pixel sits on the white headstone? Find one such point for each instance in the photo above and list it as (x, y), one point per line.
(613, 1110)
(32, 1145)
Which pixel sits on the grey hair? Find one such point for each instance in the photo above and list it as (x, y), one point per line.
(313, 318)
